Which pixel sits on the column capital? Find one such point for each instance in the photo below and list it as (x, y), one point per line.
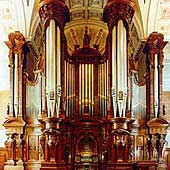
(16, 42)
(54, 9)
(118, 9)
(155, 43)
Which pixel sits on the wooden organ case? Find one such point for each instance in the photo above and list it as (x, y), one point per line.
(86, 119)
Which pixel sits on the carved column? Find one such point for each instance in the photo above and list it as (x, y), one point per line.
(54, 14)
(154, 50)
(118, 15)
(16, 56)
(14, 124)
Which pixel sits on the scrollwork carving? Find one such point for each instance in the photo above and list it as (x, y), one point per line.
(116, 10)
(16, 42)
(56, 9)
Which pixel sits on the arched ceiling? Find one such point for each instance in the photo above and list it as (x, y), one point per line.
(149, 15)
(86, 13)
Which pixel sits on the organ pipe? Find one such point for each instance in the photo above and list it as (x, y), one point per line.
(119, 69)
(107, 84)
(90, 101)
(125, 59)
(16, 85)
(124, 71)
(120, 54)
(114, 72)
(58, 70)
(67, 99)
(47, 67)
(53, 68)
(80, 89)
(86, 85)
(119, 64)
(92, 89)
(156, 86)
(65, 90)
(105, 88)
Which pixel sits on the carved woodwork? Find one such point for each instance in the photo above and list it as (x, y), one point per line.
(14, 124)
(80, 138)
(54, 9)
(117, 9)
(154, 45)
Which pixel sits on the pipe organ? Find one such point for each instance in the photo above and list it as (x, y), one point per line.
(85, 82)
(83, 115)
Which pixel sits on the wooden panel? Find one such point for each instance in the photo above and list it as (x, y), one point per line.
(3, 156)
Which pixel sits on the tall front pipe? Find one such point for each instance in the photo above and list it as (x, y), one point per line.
(114, 72)
(120, 57)
(156, 86)
(16, 85)
(125, 75)
(58, 71)
(118, 15)
(51, 67)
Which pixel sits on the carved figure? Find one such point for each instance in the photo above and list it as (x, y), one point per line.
(87, 38)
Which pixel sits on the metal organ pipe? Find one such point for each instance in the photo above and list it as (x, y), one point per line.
(92, 93)
(156, 86)
(67, 92)
(120, 57)
(107, 76)
(85, 88)
(58, 70)
(80, 89)
(16, 85)
(114, 72)
(119, 68)
(53, 68)
(120, 54)
(124, 71)
(90, 100)
(105, 90)
(47, 68)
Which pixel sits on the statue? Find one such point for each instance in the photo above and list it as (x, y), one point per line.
(120, 147)
(150, 147)
(87, 38)
(162, 147)
(52, 142)
(21, 147)
(42, 147)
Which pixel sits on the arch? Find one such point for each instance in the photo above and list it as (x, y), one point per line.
(81, 144)
(138, 20)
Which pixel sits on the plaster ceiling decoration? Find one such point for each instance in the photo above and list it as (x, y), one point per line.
(86, 9)
(163, 24)
(75, 36)
(86, 13)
